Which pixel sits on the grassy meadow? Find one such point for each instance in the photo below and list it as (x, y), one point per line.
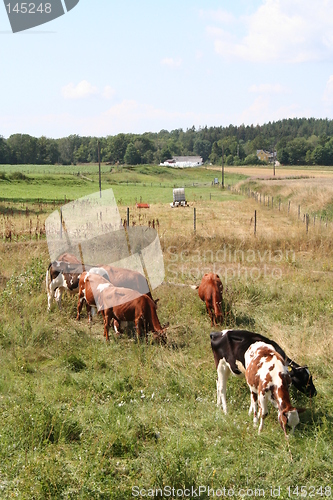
(83, 419)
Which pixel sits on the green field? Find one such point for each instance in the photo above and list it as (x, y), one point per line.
(153, 184)
(83, 419)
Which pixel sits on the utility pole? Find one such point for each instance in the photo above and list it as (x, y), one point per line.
(99, 169)
(222, 169)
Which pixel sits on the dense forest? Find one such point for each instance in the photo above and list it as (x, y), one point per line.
(303, 141)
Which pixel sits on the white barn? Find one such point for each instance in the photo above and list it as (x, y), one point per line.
(183, 161)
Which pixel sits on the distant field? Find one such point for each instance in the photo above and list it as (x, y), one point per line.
(295, 171)
(151, 183)
(80, 418)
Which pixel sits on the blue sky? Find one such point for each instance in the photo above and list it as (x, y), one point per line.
(140, 65)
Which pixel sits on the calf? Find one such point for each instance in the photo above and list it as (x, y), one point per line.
(268, 379)
(229, 348)
(142, 311)
(61, 276)
(96, 291)
(210, 291)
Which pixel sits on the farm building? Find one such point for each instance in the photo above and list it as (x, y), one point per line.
(183, 161)
(266, 155)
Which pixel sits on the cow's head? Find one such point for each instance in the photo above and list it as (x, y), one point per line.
(302, 379)
(160, 337)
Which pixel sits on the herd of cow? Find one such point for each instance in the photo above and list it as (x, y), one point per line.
(123, 296)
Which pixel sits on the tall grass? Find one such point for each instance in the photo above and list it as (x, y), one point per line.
(81, 418)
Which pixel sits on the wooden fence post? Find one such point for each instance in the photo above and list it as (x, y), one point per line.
(288, 206)
(127, 216)
(307, 223)
(255, 223)
(194, 219)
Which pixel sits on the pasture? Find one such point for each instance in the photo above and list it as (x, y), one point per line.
(81, 418)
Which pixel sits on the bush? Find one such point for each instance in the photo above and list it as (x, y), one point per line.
(18, 176)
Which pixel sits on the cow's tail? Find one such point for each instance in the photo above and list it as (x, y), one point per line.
(194, 287)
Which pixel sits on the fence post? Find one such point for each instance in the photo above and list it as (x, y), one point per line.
(194, 219)
(255, 223)
(307, 223)
(272, 201)
(60, 222)
(288, 206)
(127, 216)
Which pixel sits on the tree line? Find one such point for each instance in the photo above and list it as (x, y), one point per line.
(297, 141)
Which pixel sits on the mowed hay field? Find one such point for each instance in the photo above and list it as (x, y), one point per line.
(81, 418)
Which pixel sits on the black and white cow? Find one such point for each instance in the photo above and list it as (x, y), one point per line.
(229, 348)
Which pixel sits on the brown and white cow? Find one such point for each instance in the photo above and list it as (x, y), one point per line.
(69, 264)
(127, 278)
(141, 311)
(61, 276)
(210, 291)
(97, 291)
(268, 379)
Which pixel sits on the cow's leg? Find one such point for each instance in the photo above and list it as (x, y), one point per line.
(254, 407)
(263, 410)
(88, 308)
(55, 290)
(49, 299)
(106, 320)
(79, 305)
(223, 372)
(138, 327)
(116, 327)
(58, 296)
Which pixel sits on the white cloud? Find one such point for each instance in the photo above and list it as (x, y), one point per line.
(80, 91)
(269, 88)
(328, 92)
(291, 31)
(171, 62)
(85, 89)
(264, 109)
(218, 15)
(108, 92)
